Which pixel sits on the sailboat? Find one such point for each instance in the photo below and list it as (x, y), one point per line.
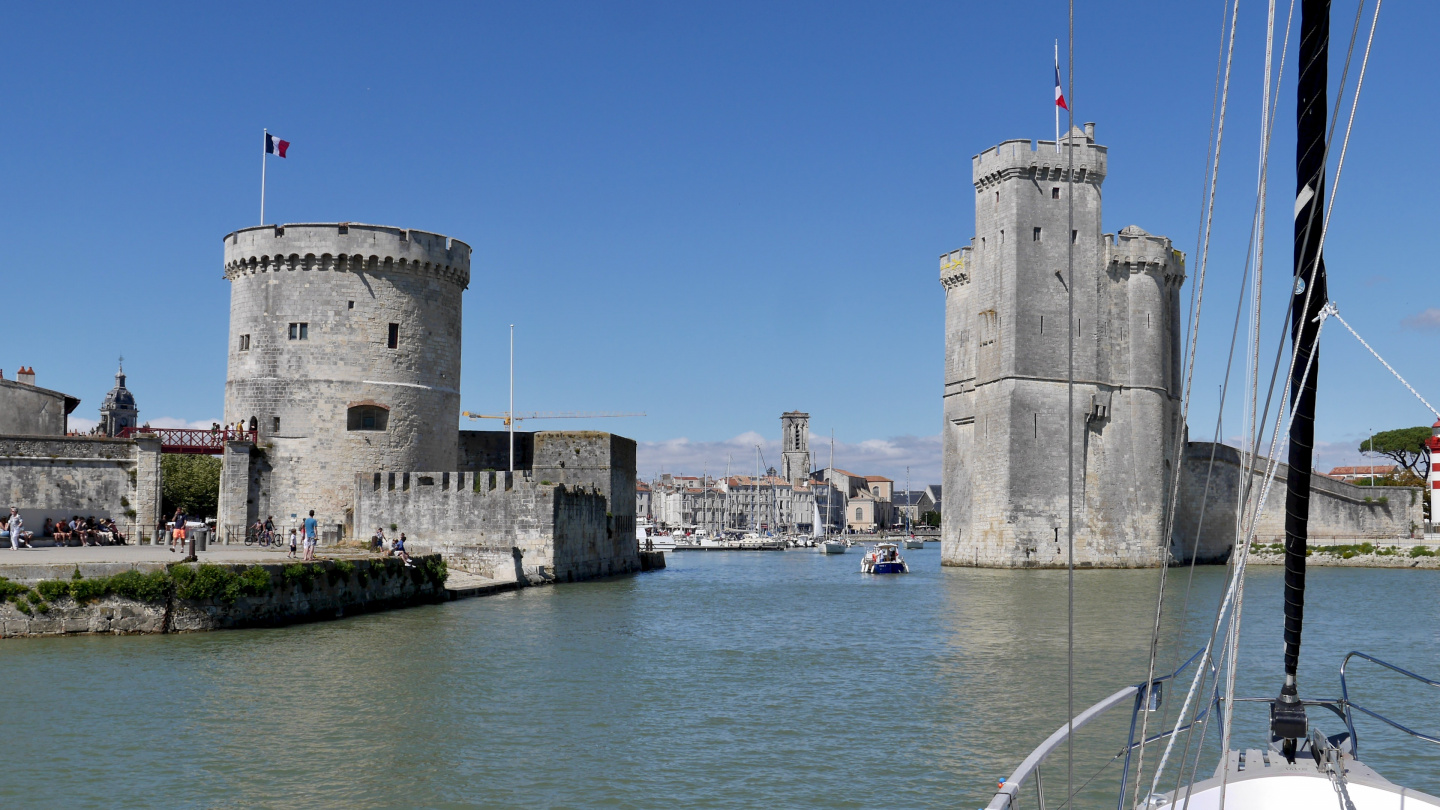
(1313, 756)
(830, 545)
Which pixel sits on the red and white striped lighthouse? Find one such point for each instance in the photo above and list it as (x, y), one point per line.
(1434, 444)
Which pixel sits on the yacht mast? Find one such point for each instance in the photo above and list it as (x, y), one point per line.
(1287, 714)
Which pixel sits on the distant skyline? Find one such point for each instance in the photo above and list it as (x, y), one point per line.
(709, 214)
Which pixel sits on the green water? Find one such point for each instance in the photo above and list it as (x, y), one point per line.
(728, 680)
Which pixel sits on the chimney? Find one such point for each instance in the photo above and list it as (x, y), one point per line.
(1090, 130)
(25, 375)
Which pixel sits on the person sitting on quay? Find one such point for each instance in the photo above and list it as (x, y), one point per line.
(399, 550)
(61, 532)
(115, 536)
(77, 529)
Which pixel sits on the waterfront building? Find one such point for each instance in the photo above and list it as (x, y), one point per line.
(911, 505)
(118, 410)
(29, 410)
(643, 503)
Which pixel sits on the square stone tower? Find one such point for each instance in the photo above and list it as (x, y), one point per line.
(795, 446)
(1005, 398)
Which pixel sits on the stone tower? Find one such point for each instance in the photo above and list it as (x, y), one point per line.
(344, 356)
(795, 446)
(1005, 398)
(118, 410)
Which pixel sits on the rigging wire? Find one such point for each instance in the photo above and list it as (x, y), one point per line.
(1197, 299)
(1336, 314)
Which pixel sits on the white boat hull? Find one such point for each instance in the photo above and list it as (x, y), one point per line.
(833, 547)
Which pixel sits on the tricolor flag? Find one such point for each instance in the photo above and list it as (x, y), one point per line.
(1059, 94)
(275, 146)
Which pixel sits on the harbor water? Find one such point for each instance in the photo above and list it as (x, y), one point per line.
(729, 679)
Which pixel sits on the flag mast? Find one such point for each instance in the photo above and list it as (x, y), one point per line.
(266, 139)
(1057, 107)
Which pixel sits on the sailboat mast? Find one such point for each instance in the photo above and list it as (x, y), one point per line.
(1310, 295)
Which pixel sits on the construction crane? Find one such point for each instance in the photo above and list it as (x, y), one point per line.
(549, 415)
(511, 420)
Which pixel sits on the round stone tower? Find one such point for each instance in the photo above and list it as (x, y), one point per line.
(344, 357)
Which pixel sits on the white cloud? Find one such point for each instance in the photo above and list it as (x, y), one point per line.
(1427, 321)
(887, 457)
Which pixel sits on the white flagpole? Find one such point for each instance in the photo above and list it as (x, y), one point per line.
(262, 168)
(1057, 106)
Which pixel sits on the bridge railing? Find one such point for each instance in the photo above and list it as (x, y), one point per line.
(188, 440)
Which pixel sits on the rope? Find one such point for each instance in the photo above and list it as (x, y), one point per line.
(1330, 307)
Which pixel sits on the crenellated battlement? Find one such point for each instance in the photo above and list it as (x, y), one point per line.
(345, 247)
(955, 267)
(1038, 160)
(1142, 252)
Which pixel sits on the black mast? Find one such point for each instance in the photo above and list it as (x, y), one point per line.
(1287, 715)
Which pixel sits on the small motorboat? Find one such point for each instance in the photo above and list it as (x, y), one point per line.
(884, 559)
(833, 546)
(914, 542)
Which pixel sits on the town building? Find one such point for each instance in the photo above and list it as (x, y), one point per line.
(1365, 473)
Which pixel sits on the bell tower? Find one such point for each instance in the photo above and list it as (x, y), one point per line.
(795, 446)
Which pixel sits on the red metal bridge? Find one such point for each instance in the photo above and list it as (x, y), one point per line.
(184, 440)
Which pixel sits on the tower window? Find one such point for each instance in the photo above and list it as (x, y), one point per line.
(1036, 236)
(244, 343)
(350, 304)
(394, 341)
(299, 331)
(997, 198)
(367, 417)
(1002, 237)
(274, 424)
(1073, 236)
(1055, 193)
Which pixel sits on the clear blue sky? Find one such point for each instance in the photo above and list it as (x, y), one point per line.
(708, 214)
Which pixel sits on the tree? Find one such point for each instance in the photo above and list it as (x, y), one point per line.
(191, 483)
(1406, 447)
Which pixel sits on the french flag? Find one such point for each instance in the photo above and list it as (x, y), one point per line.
(1059, 95)
(275, 146)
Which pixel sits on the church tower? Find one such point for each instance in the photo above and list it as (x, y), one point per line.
(795, 446)
(118, 411)
(1006, 343)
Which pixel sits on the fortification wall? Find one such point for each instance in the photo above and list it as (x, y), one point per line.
(1339, 512)
(338, 397)
(58, 477)
(26, 410)
(496, 524)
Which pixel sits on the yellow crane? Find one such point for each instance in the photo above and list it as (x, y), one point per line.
(549, 415)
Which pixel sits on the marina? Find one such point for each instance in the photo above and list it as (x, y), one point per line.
(622, 691)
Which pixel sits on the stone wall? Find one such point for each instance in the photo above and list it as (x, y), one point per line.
(1339, 512)
(485, 450)
(58, 477)
(373, 585)
(498, 525)
(26, 410)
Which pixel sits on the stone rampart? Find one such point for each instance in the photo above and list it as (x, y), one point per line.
(61, 476)
(497, 524)
(1339, 512)
(328, 590)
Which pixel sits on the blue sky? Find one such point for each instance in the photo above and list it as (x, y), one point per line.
(711, 215)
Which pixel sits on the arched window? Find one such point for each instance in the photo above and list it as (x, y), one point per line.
(859, 513)
(367, 416)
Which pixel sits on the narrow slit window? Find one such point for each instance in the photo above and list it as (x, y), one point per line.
(274, 424)
(350, 305)
(1055, 193)
(1073, 236)
(394, 340)
(1036, 425)
(1036, 236)
(244, 343)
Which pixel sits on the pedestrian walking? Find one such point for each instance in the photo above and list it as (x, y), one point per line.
(177, 534)
(293, 538)
(16, 526)
(310, 527)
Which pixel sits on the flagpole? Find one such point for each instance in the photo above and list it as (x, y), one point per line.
(1057, 107)
(267, 134)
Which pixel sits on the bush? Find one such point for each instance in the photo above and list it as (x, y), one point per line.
(1421, 551)
(53, 589)
(150, 587)
(255, 581)
(87, 590)
(10, 589)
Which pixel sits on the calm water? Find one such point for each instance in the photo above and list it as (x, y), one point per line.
(728, 680)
